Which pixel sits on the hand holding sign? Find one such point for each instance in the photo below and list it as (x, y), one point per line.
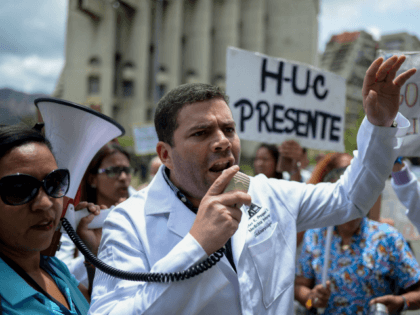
(381, 92)
(290, 154)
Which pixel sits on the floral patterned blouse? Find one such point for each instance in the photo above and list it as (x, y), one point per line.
(377, 262)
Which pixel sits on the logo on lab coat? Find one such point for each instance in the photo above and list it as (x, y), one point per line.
(253, 210)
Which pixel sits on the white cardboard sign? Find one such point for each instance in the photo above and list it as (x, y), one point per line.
(145, 139)
(273, 100)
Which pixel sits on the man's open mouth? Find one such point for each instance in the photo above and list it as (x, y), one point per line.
(220, 166)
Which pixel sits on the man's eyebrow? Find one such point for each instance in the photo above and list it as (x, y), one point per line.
(197, 127)
(206, 126)
(230, 122)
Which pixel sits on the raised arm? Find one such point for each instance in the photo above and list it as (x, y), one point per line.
(378, 147)
(381, 90)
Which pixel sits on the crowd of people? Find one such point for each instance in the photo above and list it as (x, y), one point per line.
(183, 219)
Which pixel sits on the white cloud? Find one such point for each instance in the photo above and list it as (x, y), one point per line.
(30, 74)
(342, 11)
(395, 6)
(374, 31)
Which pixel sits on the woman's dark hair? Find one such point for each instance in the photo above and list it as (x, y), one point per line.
(17, 135)
(88, 193)
(275, 154)
(330, 162)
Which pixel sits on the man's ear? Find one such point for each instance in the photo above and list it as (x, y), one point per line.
(164, 151)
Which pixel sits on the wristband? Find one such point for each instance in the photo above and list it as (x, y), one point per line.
(406, 303)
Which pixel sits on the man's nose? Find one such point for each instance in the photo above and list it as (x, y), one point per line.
(221, 142)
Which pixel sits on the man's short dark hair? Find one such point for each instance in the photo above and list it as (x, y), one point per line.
(169, 106)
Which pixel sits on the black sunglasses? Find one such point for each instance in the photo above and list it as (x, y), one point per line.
(18, 189)
(113, 171)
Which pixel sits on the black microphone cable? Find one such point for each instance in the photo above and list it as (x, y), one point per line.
(141, 276)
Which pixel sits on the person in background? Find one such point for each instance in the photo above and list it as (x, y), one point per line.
(108, 176)
(319, 157)
(370, 262)
(153, 168)
(31, 202)
(290, 163)
(266, 160)
(154, 165)
(106, 182)
(407, 187)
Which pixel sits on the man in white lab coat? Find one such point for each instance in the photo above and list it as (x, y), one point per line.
(183, 215)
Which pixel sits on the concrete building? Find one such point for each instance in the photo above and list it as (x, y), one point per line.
(350, 55)
(399, 41)
(110, 47)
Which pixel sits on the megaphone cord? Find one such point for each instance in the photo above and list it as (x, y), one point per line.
(141, 276)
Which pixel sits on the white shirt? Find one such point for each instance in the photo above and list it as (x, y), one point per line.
(149, 232)
(408, 192)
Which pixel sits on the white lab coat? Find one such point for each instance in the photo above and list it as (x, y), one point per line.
(150, 233)
(409, 195)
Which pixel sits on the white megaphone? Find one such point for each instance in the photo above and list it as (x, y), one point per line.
(76, 134)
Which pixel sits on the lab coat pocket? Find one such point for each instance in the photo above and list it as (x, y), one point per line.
(274, 263)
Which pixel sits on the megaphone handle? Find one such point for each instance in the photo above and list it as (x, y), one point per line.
(98, 220)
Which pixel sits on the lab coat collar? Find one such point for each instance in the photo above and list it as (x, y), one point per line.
(161, 195)
(164, 200)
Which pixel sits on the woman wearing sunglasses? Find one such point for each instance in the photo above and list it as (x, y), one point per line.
(31, 203)
(108, 176)
(106, 183)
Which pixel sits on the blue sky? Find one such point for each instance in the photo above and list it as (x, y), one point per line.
(32, 36)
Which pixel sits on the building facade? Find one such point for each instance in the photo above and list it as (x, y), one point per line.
(111, 47)
(350, 55)
(399, 41)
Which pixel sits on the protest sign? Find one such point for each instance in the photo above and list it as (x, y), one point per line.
(273, 100)
(409, 100)
(145, 139)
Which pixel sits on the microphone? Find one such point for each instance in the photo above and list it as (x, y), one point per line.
(240, 181)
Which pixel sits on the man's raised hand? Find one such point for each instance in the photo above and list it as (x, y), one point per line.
(381, 90)
(217, 217)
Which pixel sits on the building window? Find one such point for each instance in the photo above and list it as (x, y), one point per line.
(355, 80)
(150, 114)
(93, 85)
(128, 88)
(95, 61)
(115, 111)
(395, 44)
(161, 90)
